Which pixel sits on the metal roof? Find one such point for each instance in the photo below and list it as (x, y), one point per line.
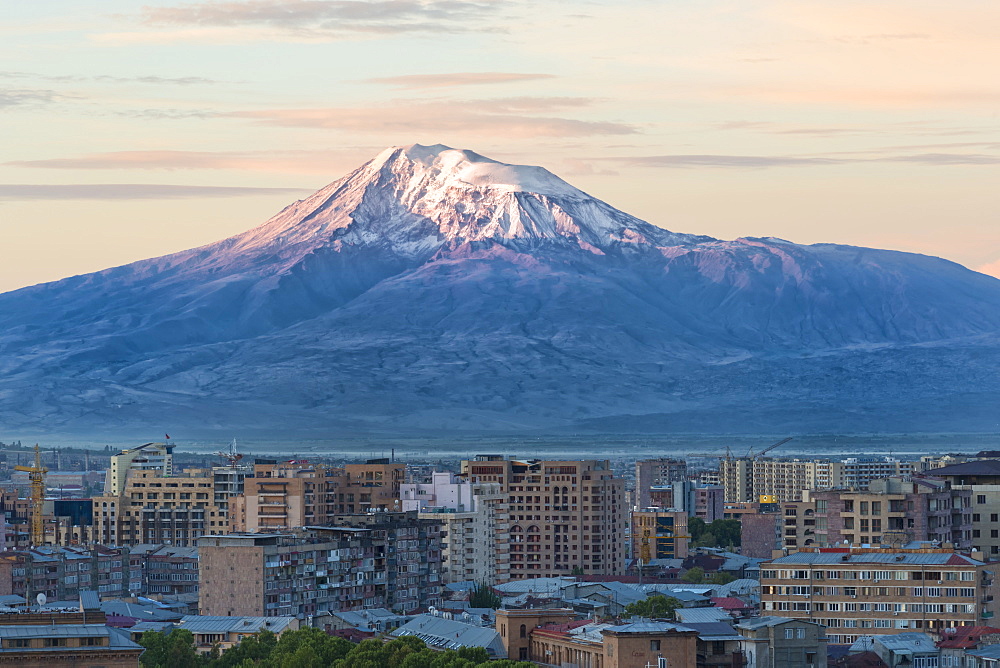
(115, 638)
(906, 558)
(697, 615)
(988, 652)
(441, 633)
(211, 624)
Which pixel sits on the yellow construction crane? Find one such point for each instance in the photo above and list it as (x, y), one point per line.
(36, 474)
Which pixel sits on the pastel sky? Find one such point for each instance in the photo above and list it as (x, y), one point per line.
(134, 129)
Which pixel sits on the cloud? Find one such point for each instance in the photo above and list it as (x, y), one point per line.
(15, 97)
(77, 78)
(328, 18)
(424, 81)
(706, 160)
(764, 161)
(515, 117)
(129, 191)
(307, 162)
(991, 269)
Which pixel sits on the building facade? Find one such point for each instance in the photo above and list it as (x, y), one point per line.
(865, 591)
(390, 560)
(562, 515)
(746, 479)
(653, 473)
(473, 519)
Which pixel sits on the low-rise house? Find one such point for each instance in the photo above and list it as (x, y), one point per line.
(373, 620)
(956, 642)
(441, 633)
(783, 642)
(67, 646)
(226, 632)
(912, 650)
(702, 615)
(552, 637)
(984, 657)
(718, 644)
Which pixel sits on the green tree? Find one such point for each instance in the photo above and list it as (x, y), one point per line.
(253, 648)
(696, 528)
(656, 606)
(694, 575)
(307, 647)
(169, 650)
(720, 578)
(483, 596)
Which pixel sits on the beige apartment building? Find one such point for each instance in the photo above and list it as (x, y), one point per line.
(981, 479)
(659, 534)
(286, 495)
(158, 508)
(562, 515)
(868, 591)
(746, 479)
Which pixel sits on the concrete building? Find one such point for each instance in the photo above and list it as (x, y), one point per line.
(865, 591)
(782, 642)
(473, 519)
(390, 560)
(154, 507)
(552, 637)
(981, 478)
(894, 511)
(654, 473)
(61, 573)
(148, 457)
(659, 534)
(442, 633)
(561, 514)
(283, 495)
(746, 479)
(162, 570)
(709, 502)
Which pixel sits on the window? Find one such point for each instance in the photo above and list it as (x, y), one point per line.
(980, 499)
(524, 631)
(654, 645)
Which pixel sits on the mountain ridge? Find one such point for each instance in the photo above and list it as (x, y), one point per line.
(436, 282)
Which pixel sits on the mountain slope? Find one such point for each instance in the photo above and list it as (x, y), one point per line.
(437, 288)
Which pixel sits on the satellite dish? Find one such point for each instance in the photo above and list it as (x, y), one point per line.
(41, 598)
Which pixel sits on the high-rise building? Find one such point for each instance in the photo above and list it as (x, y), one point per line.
(474, 525)
(147, 457)
(562, 515)
(656, 472)
(746, 479)
(981, 479)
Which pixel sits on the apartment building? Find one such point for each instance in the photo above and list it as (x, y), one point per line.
(653, 473)
(382, 559)
(162, 570)
(561, 514)
(659, 534)
(283, 495)
(473, 519)
(61, 573)
(894, 511)
(869, 591)
(745, 479)
(981, 479)
(158, 508)
(148, 457)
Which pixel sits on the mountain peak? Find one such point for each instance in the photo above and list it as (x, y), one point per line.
(465, 169)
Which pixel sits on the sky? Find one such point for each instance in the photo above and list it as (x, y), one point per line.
(137, 129)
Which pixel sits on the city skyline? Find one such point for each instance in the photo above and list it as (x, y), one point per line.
(140, 129)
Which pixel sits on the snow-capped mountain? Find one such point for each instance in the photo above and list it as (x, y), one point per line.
(434, 287)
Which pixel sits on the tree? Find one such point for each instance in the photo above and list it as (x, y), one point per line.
(657, 606)
(483, 596)
(169, 650)
(307, 647)
(694, 575)
(720, 578)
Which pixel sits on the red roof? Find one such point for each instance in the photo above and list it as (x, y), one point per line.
(966, 637)
(729, 603)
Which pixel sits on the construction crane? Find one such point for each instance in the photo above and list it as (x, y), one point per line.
(751, 455)
(232, 457)
(36, 474)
